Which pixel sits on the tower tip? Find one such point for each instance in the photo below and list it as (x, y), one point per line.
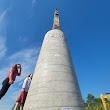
(56, 24)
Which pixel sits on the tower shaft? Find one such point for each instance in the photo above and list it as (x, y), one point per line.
(54, 85)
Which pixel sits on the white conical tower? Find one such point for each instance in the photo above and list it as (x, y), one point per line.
(54, 85)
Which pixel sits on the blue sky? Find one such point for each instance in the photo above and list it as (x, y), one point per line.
(86, 24)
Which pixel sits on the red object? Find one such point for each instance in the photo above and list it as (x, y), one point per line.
(15, 73)
(22, 97)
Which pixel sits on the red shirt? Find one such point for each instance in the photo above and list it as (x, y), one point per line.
(15, 73)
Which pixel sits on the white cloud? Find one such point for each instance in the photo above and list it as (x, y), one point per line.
(3, 22)
(3, 19)
(3, 48)
(27, 58)
(3, 30)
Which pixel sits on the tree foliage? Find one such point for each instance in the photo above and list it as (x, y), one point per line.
(93, 103)
(90, 99)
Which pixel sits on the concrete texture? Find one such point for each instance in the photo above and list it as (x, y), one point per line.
(54, 85)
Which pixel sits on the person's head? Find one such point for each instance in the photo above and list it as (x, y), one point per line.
(31, 75)
(18, 66)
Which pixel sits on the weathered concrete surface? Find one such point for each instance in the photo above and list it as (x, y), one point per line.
(54, 83)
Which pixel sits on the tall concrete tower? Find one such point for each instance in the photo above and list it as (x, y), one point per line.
(54, 85)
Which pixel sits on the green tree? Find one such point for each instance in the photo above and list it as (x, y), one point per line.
(93, 103)
(97, 101)
(90, 99)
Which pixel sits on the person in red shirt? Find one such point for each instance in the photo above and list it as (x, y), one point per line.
(10, 79)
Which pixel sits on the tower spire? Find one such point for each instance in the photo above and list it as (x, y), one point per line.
(56, 24)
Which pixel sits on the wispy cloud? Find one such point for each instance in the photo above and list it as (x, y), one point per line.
(3, 31)
(3, 21)
(3, 47)
(27, 58)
